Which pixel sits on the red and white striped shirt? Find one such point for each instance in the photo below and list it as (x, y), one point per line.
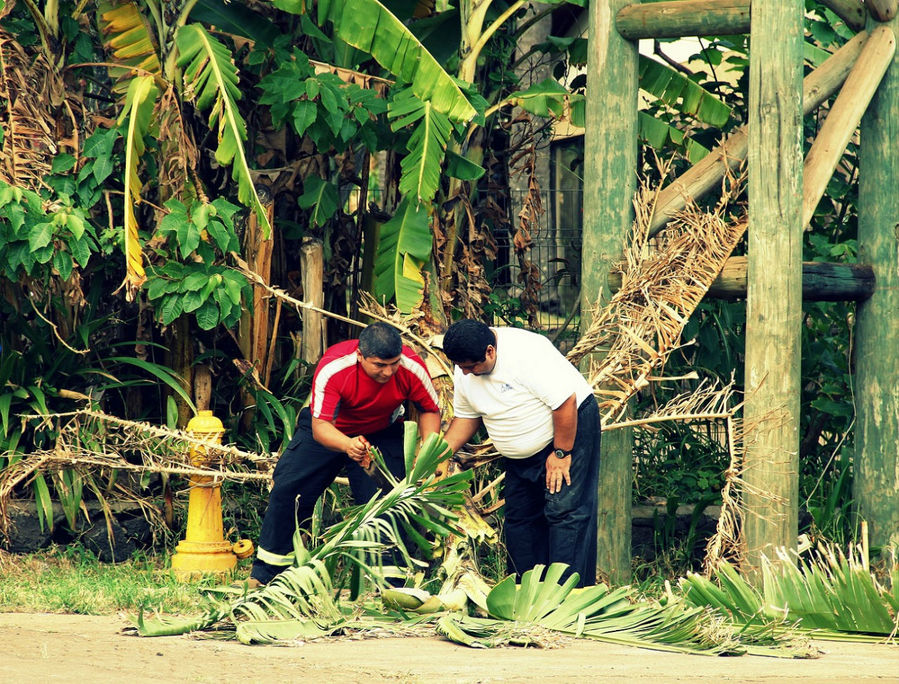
(342, 392)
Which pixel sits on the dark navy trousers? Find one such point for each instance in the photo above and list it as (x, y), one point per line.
(543, 528)
(302, 474)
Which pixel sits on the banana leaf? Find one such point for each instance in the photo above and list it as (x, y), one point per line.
(211, 80)
(404, 244)
(139, 103)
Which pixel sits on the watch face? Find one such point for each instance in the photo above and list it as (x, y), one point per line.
(559, 453)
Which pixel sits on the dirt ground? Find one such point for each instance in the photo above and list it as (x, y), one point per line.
(79, 648)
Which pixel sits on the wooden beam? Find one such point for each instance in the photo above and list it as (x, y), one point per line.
(851, 11)
(679, 18)
(882, 10)
(610, 162)
(876, 344)
(774, 287)
(709, 171)
(821, 281)
(844, 116)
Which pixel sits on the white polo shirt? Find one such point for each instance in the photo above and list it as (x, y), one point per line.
(516, 400)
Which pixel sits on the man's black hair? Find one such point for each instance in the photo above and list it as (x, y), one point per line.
(381, 341)
(466, 341)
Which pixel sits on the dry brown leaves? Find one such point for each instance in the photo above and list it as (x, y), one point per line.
(30, 93)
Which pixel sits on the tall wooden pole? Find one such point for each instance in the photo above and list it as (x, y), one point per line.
(774, 301)
(610, 180)
(876, 488)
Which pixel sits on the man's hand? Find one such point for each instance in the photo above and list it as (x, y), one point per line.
(357, 449)
(557, 471)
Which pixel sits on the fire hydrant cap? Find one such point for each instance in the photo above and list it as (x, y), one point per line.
(204, 421)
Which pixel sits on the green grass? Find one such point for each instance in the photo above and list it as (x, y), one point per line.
(71, 580)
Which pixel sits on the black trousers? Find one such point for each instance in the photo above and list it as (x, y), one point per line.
(543, 528)
(302, 474)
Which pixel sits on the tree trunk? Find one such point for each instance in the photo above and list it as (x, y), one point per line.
(180, 343)
(253, 332)
(876, 486)
(610, 162)
(774, 302)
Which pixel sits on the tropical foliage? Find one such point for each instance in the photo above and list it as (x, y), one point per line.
(159, 144)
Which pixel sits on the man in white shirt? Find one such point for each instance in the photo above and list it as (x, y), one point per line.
(541, 415)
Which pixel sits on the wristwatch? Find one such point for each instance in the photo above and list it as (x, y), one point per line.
(561, 453)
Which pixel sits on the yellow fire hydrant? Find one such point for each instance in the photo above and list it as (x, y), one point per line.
(204, 549)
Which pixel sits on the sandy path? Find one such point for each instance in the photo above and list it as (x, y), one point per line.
(77, 648)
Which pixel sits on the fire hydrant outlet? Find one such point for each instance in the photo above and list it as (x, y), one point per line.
(243, 548)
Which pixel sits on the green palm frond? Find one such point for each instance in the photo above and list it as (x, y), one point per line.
(403, 246)
(829, 594)
(303, 595)
(676, 90)
(658, 134)
(211, 80)
(139, 103)
(829, 590)
(546, 98)
(597, 612)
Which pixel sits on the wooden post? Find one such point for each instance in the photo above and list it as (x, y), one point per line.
(678, 18)
(312, 262)
(821, 281)
(844, 116)
(876, 485)
(774, 301)
(610, 167)
(708, 172)
(850, 11)
(882, 10)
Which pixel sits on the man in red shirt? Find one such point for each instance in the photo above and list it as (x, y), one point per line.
(358, 392)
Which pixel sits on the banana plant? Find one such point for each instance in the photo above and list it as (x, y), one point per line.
(147, 50)
(443, 117)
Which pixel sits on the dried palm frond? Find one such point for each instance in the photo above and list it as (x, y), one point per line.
(29, 134)
(727, 543)
(709, 401)
(91, 440)
(663, 281)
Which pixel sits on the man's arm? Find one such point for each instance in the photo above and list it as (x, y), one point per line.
(460, 431)
(564, 431)
(327, 434)
(428, 423)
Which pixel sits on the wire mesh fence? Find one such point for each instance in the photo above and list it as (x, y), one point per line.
(556, 252)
